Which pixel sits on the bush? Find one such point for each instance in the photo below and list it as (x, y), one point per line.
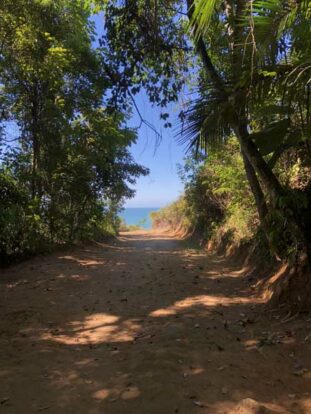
(216, 196)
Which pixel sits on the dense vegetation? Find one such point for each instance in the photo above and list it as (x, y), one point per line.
(217, 199)
(240, 69)
(218, 206)
(65, 168)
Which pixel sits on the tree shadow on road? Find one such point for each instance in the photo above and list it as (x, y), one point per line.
(144, 325)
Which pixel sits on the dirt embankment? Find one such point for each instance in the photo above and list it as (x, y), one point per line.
(146, 325)
(282, 283)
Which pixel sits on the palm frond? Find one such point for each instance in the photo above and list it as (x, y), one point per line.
(201, 13)
(204, 123)
(269, 20)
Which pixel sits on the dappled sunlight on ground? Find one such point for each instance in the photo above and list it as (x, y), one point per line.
(227, 407)
(113, 394)
(84, 262)
(203, 301)
(306, 404)
(94, 329)
(77, 278)
(145, 325)
(91, 262)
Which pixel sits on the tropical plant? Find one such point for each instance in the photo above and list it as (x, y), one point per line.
(217, 198)
(65, 164)
(249, 62)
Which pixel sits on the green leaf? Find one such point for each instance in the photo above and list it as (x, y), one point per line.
(271, 138)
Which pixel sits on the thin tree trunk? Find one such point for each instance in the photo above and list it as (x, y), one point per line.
(238, 124)
(35, 141)
(255, 165)
(256, 190)
(258, 163)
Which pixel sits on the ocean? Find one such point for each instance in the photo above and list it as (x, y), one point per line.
(138, 216)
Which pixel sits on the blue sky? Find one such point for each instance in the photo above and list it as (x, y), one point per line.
(163, 185)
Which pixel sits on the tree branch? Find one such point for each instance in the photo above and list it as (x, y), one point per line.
(114, 79)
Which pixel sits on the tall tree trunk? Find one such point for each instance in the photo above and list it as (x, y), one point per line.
(258, 163)
(256, 190)
(35, 140)
(254, 157)
(234, 33)
(255, 164)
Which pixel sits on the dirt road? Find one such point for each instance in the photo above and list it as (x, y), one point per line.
(144, 325)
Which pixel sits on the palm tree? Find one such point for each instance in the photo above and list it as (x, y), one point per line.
(254, 55)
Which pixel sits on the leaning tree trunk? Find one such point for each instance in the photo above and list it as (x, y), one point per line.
(254, 157)
(256, 190)
(265, 173)
(292, 233)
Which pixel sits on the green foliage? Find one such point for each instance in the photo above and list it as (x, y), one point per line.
(122, 226)
(250, 76)
(22, 230)
(176, 216)
(218, 204)
(145, 48)
(216, 196)
(68, 170)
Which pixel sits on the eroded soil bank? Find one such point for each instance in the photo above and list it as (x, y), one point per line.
(145, 325)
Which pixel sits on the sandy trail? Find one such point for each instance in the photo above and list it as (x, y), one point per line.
(144, 325)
